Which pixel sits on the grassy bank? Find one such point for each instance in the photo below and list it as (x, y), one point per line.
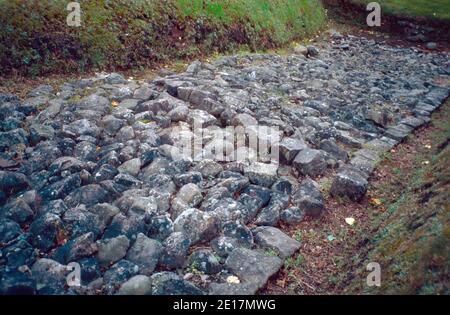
(123, 34)
(435, 10)
(409, 234)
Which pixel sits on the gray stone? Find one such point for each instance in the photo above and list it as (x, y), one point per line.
(10, 230)
(208, 168)
(115, 78)
(17, 210)
(112, 250)
(271, 238)
(175, 248)
(85, 151)
(105, 213)
(310, 162)
(201, 119)
(144, 205)
(17, 283)
(330, 146)
(261, 174)
(144, 93)
(145, 253)
(40, 133)
(190, 194)
(289, 148)
(112, 124)
(89, 195)
(244, 120)
(119, 273)
(365, 160)
(292, 216)
(197, 225)
(301, 50)
(269, 215)
(187, 197)
(125, 133)
(129, 225)
(349, 182)
(12, 182)
(80, 247)
(82, 127)
(131, 167)
(252, 267)
(205, 261)
(169, 283)
(14, 137)
(398, 132)
(309, 198)
(224, 245)
(160, 227)
(413, 122)
(431, 45)
(312, 51)
(137, 285)
(197, 97)
(179, 113)
(43, 89)
(49, 276)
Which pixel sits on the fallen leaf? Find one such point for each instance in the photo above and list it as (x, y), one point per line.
(233, 280)
(350, 221)
(375, 201)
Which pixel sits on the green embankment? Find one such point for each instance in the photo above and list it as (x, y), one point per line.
(133, 34)
(411, 239)
(434, 9)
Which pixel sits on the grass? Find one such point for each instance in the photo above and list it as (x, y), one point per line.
(435, 9)
(270, 253)
(135, 34)
(292, 263)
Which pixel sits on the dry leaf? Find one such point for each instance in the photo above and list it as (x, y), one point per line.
(375, 201)
(233, 280)
(350, 221)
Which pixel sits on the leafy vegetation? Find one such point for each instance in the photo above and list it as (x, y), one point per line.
(124, 34)
(436, 9)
